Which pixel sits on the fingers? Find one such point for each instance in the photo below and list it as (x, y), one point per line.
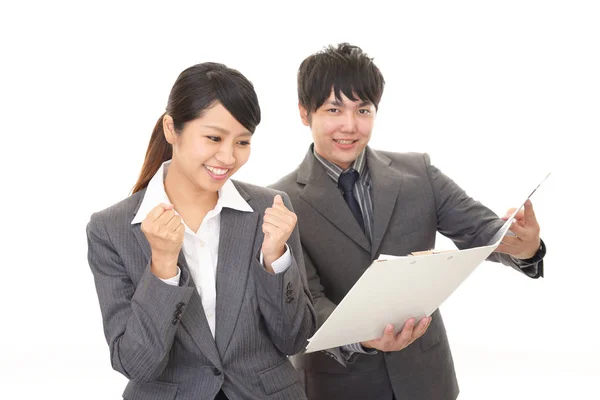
(509, 213)
(269, 229)
(158, 211)
(165, 218)
(510, 245)
(279, 217)
(404, 338)
(176, 235)
(421, 327)
(525, 230)
(179, 233)
(388, 339)
(385, 342)
(410, 332)
(519, 230)
(518, 216)
(174, 223)
(164, 222)
(525, 214)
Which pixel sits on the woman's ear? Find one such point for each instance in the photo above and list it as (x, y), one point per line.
(169, 129)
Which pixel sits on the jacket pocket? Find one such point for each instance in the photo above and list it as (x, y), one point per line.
(278, 377)
(150, 391)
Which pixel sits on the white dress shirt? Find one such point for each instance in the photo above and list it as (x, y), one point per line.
(201, 248)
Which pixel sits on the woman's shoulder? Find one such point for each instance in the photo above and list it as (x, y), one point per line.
(121, 212)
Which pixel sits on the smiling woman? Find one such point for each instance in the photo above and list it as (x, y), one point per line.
(200, 279)
(196, 93)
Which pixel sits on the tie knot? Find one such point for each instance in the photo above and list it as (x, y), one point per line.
(347, 180)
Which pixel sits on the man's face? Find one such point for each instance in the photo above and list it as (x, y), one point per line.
(340, 130)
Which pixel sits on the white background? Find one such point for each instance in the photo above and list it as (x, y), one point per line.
(498, 93)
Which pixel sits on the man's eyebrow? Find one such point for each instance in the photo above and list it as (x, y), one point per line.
(340, 104)
(335, 103)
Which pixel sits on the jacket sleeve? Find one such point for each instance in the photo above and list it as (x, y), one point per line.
(284, 299)
(468, 223)
(139, 321)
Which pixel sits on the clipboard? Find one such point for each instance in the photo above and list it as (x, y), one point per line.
(396, 288)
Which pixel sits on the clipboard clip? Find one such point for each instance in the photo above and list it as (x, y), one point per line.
(430, 252)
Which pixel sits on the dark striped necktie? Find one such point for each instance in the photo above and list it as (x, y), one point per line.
(346, 182)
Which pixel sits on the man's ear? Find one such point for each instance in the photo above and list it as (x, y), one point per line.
(304, 115)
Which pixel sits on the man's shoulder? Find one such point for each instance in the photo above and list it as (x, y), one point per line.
(287, 182)
(401, 157)
(256, 192)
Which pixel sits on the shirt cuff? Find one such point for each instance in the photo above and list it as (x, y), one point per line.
(533, 266)
(537, 257)
(174, 281)
(349, 349)
(282, 263)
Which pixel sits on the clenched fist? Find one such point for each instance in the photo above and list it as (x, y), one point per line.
(278, 225)
(164, 231)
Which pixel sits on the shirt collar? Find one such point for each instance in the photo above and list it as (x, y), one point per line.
(229, 196)
(335, 171)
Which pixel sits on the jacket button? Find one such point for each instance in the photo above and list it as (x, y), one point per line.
(289, 286)
(217, 372)
(178, 314)
(175, 321)
(289, 299)
(180, 305)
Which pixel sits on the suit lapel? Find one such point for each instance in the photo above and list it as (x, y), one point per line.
(236, 243)
(322, 193)
(195, 323)
(194, 320)
(385, 186)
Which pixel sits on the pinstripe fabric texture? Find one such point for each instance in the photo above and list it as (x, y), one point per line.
(158, 335)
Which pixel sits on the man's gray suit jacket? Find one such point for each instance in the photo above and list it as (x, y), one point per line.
(412, 200)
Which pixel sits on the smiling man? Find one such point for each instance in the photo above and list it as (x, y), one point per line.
(354, 203)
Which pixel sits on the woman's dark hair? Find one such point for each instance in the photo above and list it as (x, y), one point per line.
(197, 89)
(345, 69)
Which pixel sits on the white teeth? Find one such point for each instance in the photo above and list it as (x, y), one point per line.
(216, 171)
(344, 141)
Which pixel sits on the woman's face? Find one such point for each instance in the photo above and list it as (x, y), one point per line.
(209, 149)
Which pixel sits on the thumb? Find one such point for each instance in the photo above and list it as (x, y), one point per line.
(278, 200)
